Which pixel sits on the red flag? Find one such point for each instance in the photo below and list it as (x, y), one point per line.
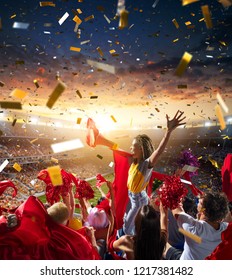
(224, 250)
(7, 184)
(121, 169)
(226, 172)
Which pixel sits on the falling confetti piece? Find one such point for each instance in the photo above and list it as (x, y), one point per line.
(183, 64)
(89, 18)
(79, 120)
(100, 51)
(67, 146)
(207, 17)
(194, 237)
(222, 103)
(59, 89)
(123, 22)
(75, 49)
(78, 93)
(77, 20)
(187, 2)
(47, 3)
(113, 118)
(4, 164)
(99, 156)
(102, 66)
(55, 175)
(17, 167)
(18, 93)
(220, 117)
(63, 18)
(14, 122)
(20, 25)
(11, 105)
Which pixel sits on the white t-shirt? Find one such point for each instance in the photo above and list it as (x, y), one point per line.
(210, 237)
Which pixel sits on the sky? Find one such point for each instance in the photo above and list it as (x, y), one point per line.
(123, 78)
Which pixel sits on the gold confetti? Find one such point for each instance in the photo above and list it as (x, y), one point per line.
(220, 117)
(11, 105)
(194, 237)
(100, 51)
(93, 97)
(175, 23)
(222, 103)
(182, 86)
(175, 40)
(112, 51)
(213, 162)
(13, 16)
(187, 2)
(2, 84)
(206, 15)
(79, 120)
(17, 167)
(19, 62)
(113, 118)
(77, 20)
(55, 94)
(55, 175)
(18, 93)
(89, 18)
(36, 83)
(183, 64)
(99, 156)
(223, 43)
(14, 122)
(34, 140)
(47, 3)
(79, 11)
(188, 23)
(75, 49)
(78, 93)
(123, 22)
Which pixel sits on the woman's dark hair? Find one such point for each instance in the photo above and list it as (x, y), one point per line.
(215, 205)
(149, 242)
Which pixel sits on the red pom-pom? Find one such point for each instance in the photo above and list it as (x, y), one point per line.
(84, 190)
(100, 180)
(172, 192)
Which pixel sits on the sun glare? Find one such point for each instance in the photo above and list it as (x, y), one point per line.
(104, 124)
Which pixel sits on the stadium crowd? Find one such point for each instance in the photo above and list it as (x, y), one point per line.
(99, 231)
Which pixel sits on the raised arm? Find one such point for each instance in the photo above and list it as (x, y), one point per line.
(163, 217)
(178, 210)
(171, 125)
